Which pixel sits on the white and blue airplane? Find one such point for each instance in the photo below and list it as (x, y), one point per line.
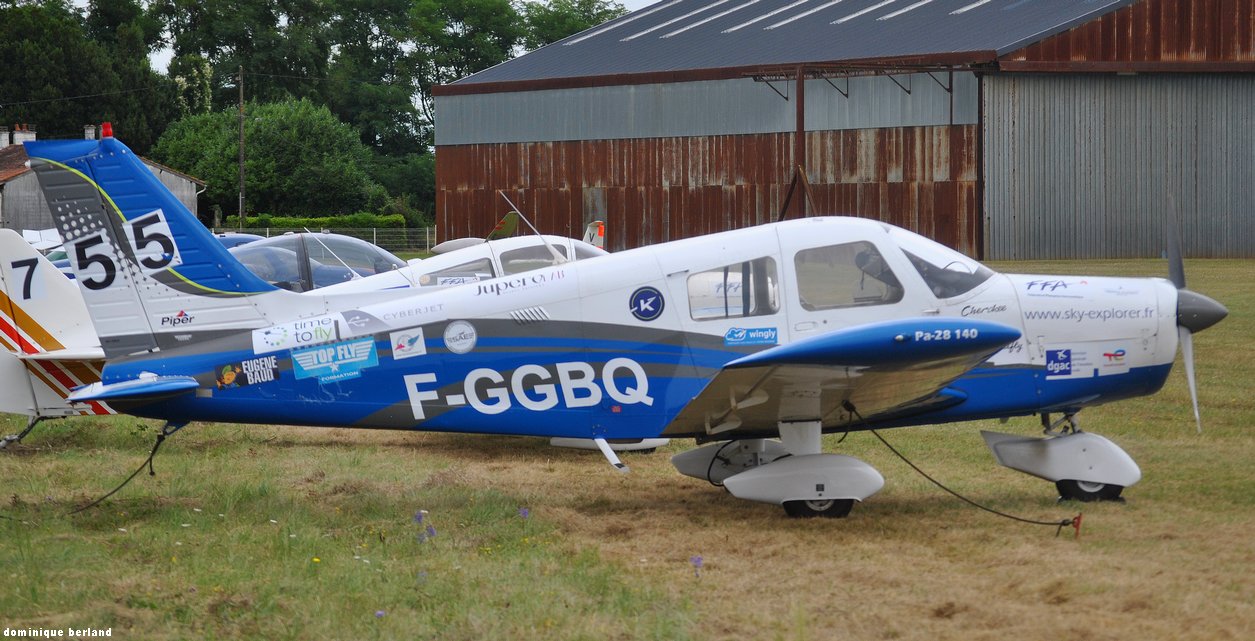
(784, 331)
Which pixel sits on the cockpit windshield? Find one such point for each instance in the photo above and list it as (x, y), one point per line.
(947, 272)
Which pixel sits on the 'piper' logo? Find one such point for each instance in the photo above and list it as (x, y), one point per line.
(181, 318)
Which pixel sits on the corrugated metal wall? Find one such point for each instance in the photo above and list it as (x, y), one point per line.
(657, 189)
(1083, 166)
(662, 162)
(24, 205)
(1160, 31)
(709, 108)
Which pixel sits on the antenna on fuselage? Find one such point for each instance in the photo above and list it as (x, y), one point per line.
(557, 257)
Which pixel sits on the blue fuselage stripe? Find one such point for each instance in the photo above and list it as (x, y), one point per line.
(540, 387)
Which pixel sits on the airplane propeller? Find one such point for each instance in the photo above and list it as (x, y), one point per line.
(1195, 313)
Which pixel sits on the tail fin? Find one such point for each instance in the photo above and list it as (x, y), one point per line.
(505, 227)
(47, 343)
(149, 271)
(595, 234)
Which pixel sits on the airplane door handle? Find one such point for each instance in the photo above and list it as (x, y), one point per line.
(805, 326)
(932, 312)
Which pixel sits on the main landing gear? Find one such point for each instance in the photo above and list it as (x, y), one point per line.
(791, 472)
(1083, 466)
(17, 438)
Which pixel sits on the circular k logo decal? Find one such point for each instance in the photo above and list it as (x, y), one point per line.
(647, 303)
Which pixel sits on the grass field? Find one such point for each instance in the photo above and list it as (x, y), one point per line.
(298, 533)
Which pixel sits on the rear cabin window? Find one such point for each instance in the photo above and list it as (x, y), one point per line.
(846, 275)
(525, 259)
(471, 272)
(734, 291)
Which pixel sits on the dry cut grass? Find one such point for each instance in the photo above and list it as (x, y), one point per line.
(603, 555)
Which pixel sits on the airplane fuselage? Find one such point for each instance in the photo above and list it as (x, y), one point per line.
(618, 346)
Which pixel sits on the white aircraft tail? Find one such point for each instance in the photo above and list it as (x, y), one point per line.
(47, 343)
(595, 234)
(151, 274)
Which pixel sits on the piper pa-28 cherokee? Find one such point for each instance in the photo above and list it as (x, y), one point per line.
(787, 330)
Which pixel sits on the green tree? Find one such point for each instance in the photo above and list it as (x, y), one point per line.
(300, 160)
(62, 71)
(283, 46)
(455, 38)
(410, 181)
(129, 33)
(549, 22)
(370, 82)
(105, 18)
(193, 76)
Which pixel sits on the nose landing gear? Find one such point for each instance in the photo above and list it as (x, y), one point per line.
(1083, 466)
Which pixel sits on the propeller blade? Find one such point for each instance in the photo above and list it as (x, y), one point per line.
(1176, 264)
(1187, 355)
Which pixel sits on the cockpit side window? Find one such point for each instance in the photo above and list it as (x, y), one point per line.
(734, 291)
(845, 275)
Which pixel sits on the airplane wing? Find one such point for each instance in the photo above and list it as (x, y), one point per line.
(883, 369)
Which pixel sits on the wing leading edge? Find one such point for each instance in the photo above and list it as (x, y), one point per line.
(884, 369)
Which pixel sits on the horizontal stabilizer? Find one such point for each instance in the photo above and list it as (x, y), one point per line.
(147, 386)
(69, 354)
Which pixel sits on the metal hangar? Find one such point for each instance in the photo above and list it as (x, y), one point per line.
(1008, 129)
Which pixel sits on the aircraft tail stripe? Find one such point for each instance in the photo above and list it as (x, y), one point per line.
(7, 342)
(69, 374)
(52, 375)
(15, 341)
(59, 377)
(55, 378)
(82, 371)
(64, 382)
(8, 335)
(40, 337)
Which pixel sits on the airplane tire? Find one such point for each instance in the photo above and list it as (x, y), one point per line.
(828, 508)
(1070, 490)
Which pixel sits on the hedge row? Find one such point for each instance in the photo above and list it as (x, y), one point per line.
(359, 220)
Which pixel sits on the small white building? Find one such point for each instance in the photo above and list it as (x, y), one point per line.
(22, 204)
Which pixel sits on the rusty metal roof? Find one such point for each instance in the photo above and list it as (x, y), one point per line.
(12, 163)
(680, 37)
